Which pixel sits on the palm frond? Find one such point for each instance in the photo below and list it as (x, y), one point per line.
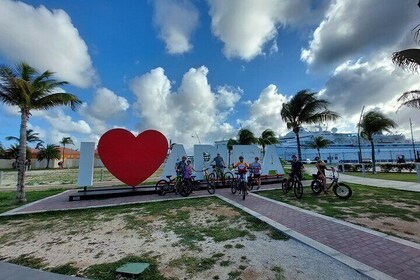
(407, 59)
(410, 99)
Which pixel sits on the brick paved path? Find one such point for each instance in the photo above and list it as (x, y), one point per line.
(393, 258)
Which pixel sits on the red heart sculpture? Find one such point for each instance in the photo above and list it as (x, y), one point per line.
(132, 159)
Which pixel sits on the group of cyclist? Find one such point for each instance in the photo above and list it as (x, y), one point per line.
(297, 168)
(185, 169)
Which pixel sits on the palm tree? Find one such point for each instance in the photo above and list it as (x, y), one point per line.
(31, 137)
(319, 143)
(305, 108)
(50, 152)
(13, 153)
(65, 141)
(374, 122)
(26, 88)
(246, 137)
(409, 59)
(268, 137)
(229, 146)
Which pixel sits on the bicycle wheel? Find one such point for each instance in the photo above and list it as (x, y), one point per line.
(298, 189)
(342, 190)
(316, 187)
(284, 187)
(186, 188)
(228, 178)
(234, 186)
(242, 187)
(210, 188)
(161, 187)
(251, 183)
(212, 179)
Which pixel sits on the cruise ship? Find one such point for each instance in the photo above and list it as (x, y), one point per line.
(344, 147)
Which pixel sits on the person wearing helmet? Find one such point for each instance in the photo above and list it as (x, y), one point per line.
(296, 169)
(242, 167)
(255, 171)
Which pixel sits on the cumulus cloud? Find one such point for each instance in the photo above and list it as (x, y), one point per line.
(106, 104)
(47, 41)
(264, 113)
(176, 21)
(374, 84)
(358, 27)
(63, 123)
(193, 109)
(246, 26)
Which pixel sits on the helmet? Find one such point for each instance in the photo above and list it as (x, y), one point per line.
(184, 157)
(241, 157)
(257, 158)
(316, 158)
(294, 156)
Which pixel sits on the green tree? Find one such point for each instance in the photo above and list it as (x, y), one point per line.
(246, 137)
(31, 137)
(410, 99)
(13, 153)
(268, 137)
(305, 108)
(319, 143)
(374, 122)
(66, 141)
(25, 88)
(48, 153)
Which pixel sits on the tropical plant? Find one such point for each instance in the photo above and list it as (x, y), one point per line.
(268, 137)
(13, 153)
(374, 122)
(65, 141)
(230, 143)
(31, 137)
(305, 108)
(48, 153)
(25, 88)
(246, 137)
(319, 143)
(409, 59)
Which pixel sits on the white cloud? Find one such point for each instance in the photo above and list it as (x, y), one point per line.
(247, 26)
(359, 28)
(106, 104)
(374, 84)
(193, 109)
(63, 123)
(47, 41)
(264, 113)
(177, 21)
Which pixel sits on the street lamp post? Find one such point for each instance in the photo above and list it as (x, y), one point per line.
(198, 138)
(412, 141)
(358, 134)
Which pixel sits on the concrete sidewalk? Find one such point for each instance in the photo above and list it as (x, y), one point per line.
(10, 271)
(399, 185)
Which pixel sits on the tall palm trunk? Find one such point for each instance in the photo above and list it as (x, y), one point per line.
(319, 153)
(372, 145)
(20, 187)
(64, 146)
(298, 146)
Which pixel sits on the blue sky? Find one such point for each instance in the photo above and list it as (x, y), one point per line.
(208, 67)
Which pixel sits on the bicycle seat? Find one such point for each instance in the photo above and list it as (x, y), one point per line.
(169, 176)
(193, 177)
(314, 176)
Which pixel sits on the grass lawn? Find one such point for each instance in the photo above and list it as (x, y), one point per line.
(396, 176)
(7, 199)
(203, 238)
(391, 211)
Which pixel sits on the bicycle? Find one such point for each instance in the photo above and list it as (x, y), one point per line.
(178, 184)
(295, 184)
(240, 184)
(196, 184)
(341, 190)
(217, 176)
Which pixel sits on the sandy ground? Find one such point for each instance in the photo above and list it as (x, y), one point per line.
(111, 239)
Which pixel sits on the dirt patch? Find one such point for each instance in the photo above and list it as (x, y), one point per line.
(397, 227)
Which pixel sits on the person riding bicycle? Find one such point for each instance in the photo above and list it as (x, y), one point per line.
(242, 169)
(255, 171)
(219, 165)
(296, 169)
(321, 166)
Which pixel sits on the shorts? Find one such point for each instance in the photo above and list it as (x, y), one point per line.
(256, 175)
(299, 175)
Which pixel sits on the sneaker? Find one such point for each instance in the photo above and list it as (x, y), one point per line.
(258, 187)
